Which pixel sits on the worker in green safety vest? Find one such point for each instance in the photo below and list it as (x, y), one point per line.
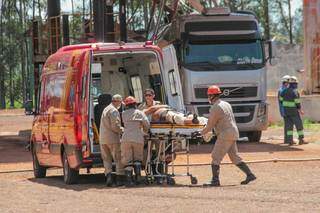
(292, 112)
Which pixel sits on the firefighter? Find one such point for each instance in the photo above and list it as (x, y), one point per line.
(136, 124)
(285, 84)
(110, 131)
(292, 112)
(222, 120)
(149, 96)
(146, 106)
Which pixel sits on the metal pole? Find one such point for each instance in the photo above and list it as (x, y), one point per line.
(123, 24)
(65, 30)
(98, 17)
(109, 22)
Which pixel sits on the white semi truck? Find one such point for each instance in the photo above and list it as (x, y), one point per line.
(226, 49)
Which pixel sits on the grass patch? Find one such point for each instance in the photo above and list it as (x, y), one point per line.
(17, 105)
(279, 124)
(307, 124)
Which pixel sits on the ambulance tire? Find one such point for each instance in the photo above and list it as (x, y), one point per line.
(254, 136)
(70, 176)
(38, 170)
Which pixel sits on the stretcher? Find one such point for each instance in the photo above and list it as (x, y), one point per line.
(169, 139)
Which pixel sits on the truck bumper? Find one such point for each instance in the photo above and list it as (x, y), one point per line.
(249, 116)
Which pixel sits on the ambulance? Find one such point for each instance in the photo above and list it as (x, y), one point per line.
(72, 81)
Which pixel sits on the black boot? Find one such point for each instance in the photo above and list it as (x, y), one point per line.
(250, 176)
(109, 179)
(302, 141)
(129, 181)
(160, 180)
(215, 176)
(120, 180)
(137, 172)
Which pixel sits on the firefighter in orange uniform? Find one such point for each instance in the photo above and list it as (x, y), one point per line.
(136, 125)
(222, 120)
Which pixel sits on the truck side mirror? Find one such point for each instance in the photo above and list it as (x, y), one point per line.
(272, 51)
(187, 50)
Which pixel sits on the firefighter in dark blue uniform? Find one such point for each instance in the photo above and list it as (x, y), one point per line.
(285, 84)
(292, 109)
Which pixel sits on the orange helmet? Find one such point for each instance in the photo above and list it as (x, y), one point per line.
(129, 100)
(213, 90)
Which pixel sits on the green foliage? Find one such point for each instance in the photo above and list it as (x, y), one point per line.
(16, 16)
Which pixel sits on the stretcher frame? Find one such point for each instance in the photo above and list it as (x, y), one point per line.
(169, 137)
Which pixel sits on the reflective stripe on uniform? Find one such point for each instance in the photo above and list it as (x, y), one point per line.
(288, 104)
(300, 133)
(289, 133)
(297, 101)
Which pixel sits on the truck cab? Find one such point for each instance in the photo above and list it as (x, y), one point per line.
(225, 49)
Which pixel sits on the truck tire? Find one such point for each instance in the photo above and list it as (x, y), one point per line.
(38, 170)
(70, 176)
(254, 136)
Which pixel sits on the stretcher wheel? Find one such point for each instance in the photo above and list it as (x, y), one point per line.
(171, 181)
(194, 180)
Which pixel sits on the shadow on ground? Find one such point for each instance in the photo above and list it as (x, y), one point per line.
(247, 147)
(95, 181)
(12, 147)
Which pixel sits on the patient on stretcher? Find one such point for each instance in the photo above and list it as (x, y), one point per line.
(163, 113)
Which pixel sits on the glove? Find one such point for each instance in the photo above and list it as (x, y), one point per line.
(207, 137)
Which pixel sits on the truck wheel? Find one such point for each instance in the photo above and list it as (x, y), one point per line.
(254, 136)
(38, 170)
(70, 176)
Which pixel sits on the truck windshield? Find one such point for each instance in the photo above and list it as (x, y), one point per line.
(224, 55)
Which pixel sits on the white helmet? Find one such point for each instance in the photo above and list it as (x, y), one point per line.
(285, 78)
(294, 79)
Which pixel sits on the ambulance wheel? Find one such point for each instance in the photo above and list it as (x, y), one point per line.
(254, 136)
(38, 170)
(194, 180)
(70, 176)
(171, 181)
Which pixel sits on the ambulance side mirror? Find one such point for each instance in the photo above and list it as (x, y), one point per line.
(28, 108)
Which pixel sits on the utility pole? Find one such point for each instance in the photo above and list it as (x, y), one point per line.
(266, 16)
(290, 22)
(123, 24)
(109, 22)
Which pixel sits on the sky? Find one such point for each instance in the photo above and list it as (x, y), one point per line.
(296, 4)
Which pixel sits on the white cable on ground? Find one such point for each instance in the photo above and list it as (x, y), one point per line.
(274, 160)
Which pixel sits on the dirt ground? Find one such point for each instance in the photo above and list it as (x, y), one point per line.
(281, 186)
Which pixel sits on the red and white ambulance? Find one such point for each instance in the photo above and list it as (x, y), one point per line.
(73, 78)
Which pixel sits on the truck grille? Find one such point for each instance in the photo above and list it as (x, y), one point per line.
(202, 110)
(242, 92)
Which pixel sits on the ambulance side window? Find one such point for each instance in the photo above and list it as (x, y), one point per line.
(137, 88)
(54, 90)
